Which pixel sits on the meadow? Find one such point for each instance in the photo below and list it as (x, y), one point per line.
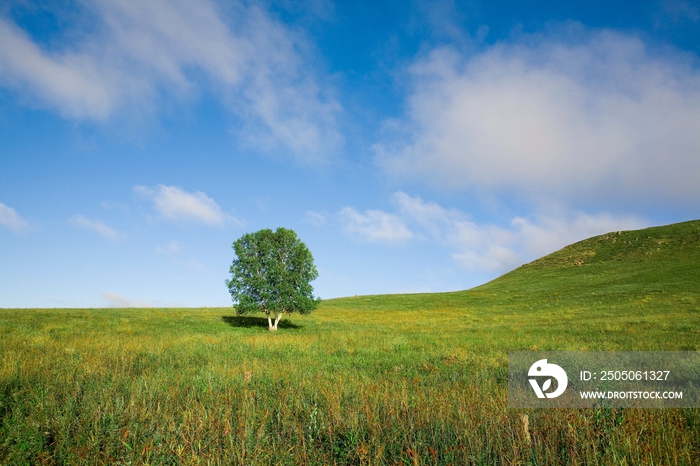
(377, 380)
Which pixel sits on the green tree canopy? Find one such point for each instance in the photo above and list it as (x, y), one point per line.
(272, 273)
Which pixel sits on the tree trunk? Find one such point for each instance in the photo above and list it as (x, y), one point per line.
(269, 324)
(277, 319)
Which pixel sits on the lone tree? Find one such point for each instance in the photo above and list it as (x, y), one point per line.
(271, 273)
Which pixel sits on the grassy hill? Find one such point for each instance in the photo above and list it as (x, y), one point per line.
(393, 379)
(628, 290)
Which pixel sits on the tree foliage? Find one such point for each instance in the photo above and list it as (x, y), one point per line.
(272, 273)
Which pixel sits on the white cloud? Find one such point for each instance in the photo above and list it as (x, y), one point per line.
(548, 117)
(484, 247)
(173, 203)
(489, 248)
(10, 219)
(116, 300)
(172, 247)
(111, 205)
(137, 52)
(73, 83)
(374, 225)
(678, 10)
(316, 219)
(196, 265)
(549, 232)
(98, 227)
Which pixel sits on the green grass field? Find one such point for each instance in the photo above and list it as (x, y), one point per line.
(393, 379)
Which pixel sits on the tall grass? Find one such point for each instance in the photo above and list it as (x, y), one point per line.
(405, 379)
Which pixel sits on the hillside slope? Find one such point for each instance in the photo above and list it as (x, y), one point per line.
(626, 285)
(624, 263)
(613, 268)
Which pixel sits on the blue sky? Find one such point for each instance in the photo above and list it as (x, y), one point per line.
(413, 145)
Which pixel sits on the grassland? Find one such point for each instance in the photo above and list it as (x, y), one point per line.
(394, 379)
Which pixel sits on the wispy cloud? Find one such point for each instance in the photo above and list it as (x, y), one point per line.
(111, 205)
(72, 83)
(494, 248)
(136, 53)
(98, 227)
(172, 247)
(173, 203)
(374, 225)
(573, 114)
(10, 219)
(117, 300)
(316, 219)
(678, 10)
